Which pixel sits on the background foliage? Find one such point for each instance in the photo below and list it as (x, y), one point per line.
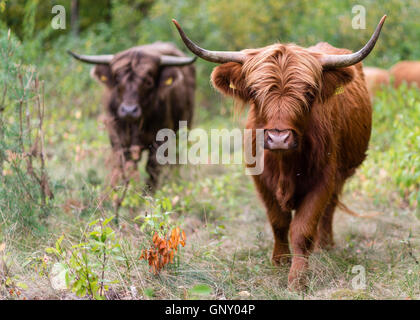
(76, 143)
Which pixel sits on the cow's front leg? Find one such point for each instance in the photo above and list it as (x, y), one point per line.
(117, 161)
(280, 222)
(303, 230)
(153, 168)
(325, 239)
(124, 165)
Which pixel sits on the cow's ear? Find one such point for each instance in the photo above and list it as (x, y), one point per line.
(103, 74)
(228, 79)
(333, 81)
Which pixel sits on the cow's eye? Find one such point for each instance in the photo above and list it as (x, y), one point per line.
(310, 97)
(148, 83)
(119, 78)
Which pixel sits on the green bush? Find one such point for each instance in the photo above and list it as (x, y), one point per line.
(25, 189)
(391, 173)
(83, 267)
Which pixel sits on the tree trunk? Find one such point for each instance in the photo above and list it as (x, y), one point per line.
(75, 27)
(108, 12)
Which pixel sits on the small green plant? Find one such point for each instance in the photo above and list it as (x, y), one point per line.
(156, 216)
(83, 267)
(160, 232)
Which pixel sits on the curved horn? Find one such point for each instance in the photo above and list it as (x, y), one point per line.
(346, 60)
(212, 56)
(176, 61)
(101, 59)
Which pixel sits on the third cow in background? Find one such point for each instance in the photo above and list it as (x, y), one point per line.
(406, 71)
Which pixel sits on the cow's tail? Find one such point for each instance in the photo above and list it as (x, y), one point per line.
(344, 208)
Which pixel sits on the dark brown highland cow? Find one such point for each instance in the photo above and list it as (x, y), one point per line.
(315, 109)
(148, 88)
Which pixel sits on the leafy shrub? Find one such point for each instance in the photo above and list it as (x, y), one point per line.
(25, 190)
(83, 267)
(391, 173)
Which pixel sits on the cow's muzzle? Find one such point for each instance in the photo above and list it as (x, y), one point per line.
(280, 139)
(132, 111)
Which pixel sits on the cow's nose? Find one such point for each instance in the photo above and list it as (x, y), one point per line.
(130, 109)
(279, 140)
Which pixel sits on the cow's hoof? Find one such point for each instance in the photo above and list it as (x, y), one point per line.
(135, 152)
(298, 284)
(150, 187)
(298, 279)
(281, 260)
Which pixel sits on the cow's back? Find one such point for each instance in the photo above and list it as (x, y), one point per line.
(408, 71)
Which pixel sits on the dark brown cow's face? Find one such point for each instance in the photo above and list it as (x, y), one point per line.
(137, 78)
(281, 82)
(133, 78)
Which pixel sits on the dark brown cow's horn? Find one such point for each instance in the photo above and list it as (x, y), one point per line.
(346, 60)
(213, 56)
(168, 61)
(106, 59)
(101, 59)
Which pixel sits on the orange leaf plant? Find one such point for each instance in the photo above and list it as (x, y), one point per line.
(163, 250)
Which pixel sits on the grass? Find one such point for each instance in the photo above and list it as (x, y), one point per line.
(236, 258)
(229, 240)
